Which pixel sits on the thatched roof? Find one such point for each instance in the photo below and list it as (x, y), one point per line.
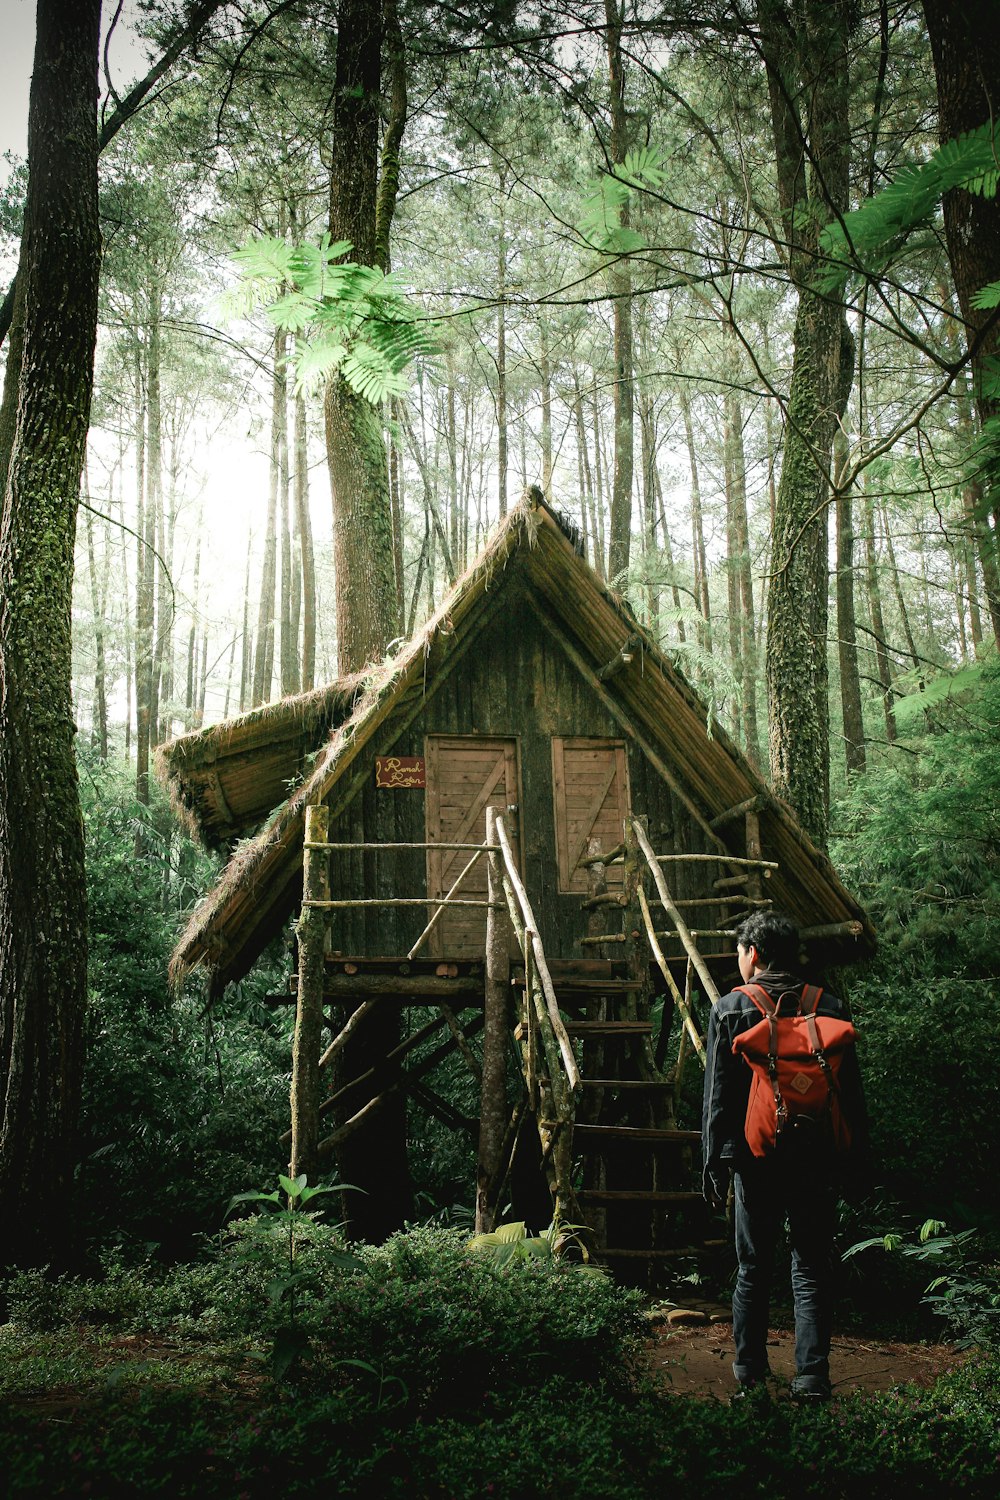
(261, 886)
(224, 781)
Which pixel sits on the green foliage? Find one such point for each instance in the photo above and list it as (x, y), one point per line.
(870, 238)
(911, 709)
(965, 1292)
(295, 1227)
(181, 1107)
(432, 1373)
(601, 222)
(512, 1242)
(347, 318)
(919, 844)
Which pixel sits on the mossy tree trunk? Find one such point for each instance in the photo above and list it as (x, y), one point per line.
(806, 59)
(620, 525)
(361, 206)
(43, 928)
(362, 200)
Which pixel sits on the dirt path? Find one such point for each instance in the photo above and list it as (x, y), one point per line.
(697, 1360)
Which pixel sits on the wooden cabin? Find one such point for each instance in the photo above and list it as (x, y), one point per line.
(636, 835)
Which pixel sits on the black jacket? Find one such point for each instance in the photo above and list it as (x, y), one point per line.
(727, 1084)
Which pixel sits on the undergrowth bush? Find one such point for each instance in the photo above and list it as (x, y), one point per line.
(434, 1373)
(181, 1106)
(919, 843)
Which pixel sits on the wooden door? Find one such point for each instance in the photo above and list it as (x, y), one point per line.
(590, 792)
(465, 776)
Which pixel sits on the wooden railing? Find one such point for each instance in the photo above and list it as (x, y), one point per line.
(549, 1065)
(551, 1072)
(307, 1150)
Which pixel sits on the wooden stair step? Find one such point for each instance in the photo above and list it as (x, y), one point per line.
(609, 1028)
(597, 986)
(634, 1195)
(599, 1133)
(678, 1252)
(626, 1083)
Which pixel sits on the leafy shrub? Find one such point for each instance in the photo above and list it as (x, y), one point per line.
(181, 1107)
(920, 844)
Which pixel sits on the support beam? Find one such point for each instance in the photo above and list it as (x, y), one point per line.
(493, 1113)
(309, 1009)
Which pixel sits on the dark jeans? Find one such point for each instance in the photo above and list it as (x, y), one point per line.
(767, 1192)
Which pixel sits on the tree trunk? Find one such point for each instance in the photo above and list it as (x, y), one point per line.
(697, 529)
(874, 594)
(808, 79)
(361, 209)
(741, 590)
(99, 728)
(246, 645)
(847, 643)
(545, 372)
(144, 598)
(263, 663)
(600, 550)
(502, 460)
(288, 642)
(621, 286)
(43, 926)
(307, 557)
(191, 681)
(367, 612)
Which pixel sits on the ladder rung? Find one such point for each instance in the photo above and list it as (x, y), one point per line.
(625, 1083)
(675, 1254)
(598, 1133)
(609, 1028)
(606, 1195)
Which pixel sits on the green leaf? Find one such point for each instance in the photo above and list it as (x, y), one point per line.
(251, 1198)
(292, 1188)
(872, 235)
(988, 296)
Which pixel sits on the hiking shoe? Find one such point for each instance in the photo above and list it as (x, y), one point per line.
(812, 1394)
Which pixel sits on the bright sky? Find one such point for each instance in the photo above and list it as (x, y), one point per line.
(17, 29)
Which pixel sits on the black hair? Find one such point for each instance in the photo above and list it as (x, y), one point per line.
(775, 937)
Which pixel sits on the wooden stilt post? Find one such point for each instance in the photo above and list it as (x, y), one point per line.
(493, 1116)
(309, 1010)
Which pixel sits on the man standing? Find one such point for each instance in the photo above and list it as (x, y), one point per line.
(796, 1179)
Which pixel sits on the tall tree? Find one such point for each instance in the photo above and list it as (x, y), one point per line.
(805, 54)
(363, 186)
(43, 929)
(362, 201)
(968, 88)
(620, 528)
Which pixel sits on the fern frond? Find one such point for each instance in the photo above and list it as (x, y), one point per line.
(868, 238)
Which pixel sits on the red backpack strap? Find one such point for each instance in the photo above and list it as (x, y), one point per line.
(811, 996)
(758, 994)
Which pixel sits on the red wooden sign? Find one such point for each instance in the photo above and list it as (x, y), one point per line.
(400, 770)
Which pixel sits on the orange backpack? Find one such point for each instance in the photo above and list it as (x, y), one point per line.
(795, 1058)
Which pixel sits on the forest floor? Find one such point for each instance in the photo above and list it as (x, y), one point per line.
(694, 1358)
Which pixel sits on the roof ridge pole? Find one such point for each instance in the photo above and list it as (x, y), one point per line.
(311, 934)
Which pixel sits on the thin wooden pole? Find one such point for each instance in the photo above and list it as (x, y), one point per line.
(351, 1025)
(437, 915)
(666, 899)
(496, 1007)
(548, 989)
(309, 1007)
(664, 967)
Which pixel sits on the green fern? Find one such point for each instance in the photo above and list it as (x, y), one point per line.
(348, 319)
(870, 238)
(600, 223)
